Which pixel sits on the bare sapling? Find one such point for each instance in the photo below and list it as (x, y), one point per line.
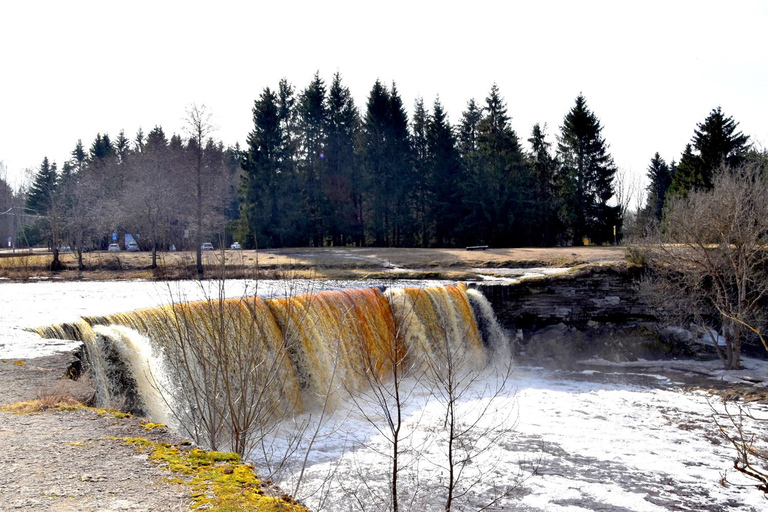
(742, 429)
(473, 387)
(386, 361)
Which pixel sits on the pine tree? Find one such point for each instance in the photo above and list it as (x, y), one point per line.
(586, 177)
(715, 142)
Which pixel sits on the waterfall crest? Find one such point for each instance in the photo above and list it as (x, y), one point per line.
(279, 353)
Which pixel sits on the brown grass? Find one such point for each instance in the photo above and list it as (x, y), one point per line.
(321, 263)
(64, 394)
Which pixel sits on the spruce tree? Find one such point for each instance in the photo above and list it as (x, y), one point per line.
(43, 190)
(401, 160)
(388, 165)
(344, 183)
(422, 179)
(498, 182)
(376, 162)
(586, 177)
(43, 200)
(715, 142)
(468, 152)
(264, 171)
(312, 114)
(544, 221)
(660, 178)
(445, 179)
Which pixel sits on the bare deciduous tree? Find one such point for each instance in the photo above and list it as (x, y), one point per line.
(708, 262)
(198, 127)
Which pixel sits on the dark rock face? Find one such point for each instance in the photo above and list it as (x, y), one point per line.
(593, 294)
(590, 312)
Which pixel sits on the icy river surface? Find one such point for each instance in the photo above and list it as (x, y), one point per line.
(610, 440)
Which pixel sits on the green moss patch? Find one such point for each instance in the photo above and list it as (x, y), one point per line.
(219, 481)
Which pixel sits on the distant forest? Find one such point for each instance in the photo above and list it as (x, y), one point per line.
(317, 170)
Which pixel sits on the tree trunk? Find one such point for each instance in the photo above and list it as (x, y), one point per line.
(56, 265)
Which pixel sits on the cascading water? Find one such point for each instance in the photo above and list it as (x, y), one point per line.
(274, 357)
(147, 368)
(489, 327)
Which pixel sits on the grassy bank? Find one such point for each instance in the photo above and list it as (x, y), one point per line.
(320, 263)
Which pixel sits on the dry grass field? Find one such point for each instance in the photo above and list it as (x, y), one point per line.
(321, 263)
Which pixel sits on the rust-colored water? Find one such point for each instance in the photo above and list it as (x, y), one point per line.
(303, 346)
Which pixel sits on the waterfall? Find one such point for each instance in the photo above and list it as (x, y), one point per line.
(147, 368)
(275, 356)
(489, 327)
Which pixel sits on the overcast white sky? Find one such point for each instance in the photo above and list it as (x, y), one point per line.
(650, 70)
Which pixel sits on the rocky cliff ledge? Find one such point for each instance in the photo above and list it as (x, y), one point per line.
(591, 311)
(594, 293)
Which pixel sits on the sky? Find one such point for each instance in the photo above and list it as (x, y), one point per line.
(649, 70)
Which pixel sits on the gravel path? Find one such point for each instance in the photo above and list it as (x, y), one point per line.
(64, 461)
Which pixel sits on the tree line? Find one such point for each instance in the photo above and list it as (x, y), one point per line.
(319, 171)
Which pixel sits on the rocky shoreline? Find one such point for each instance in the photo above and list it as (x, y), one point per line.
(73, 460)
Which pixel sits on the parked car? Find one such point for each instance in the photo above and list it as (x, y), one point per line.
(235, 246)
(113, 248)
(65, 248)
(132, 246)
(207, 246)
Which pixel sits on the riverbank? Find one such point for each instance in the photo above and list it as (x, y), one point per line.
(317, 263)
(71, 460)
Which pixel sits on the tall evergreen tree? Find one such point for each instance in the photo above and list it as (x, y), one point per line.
(467, 142)
(660, 178)
(102, 148)
(586, 177)
(544, 206)
(344, 185)
(312, 131)
(43, 200)
(387, 160)
(42, 193)
(422, 181)
(444, 179)
(498, 181)
(122, 147)
(715, 142)
(79, 157)
(264, 169)
(288, 114)
(401, 160)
